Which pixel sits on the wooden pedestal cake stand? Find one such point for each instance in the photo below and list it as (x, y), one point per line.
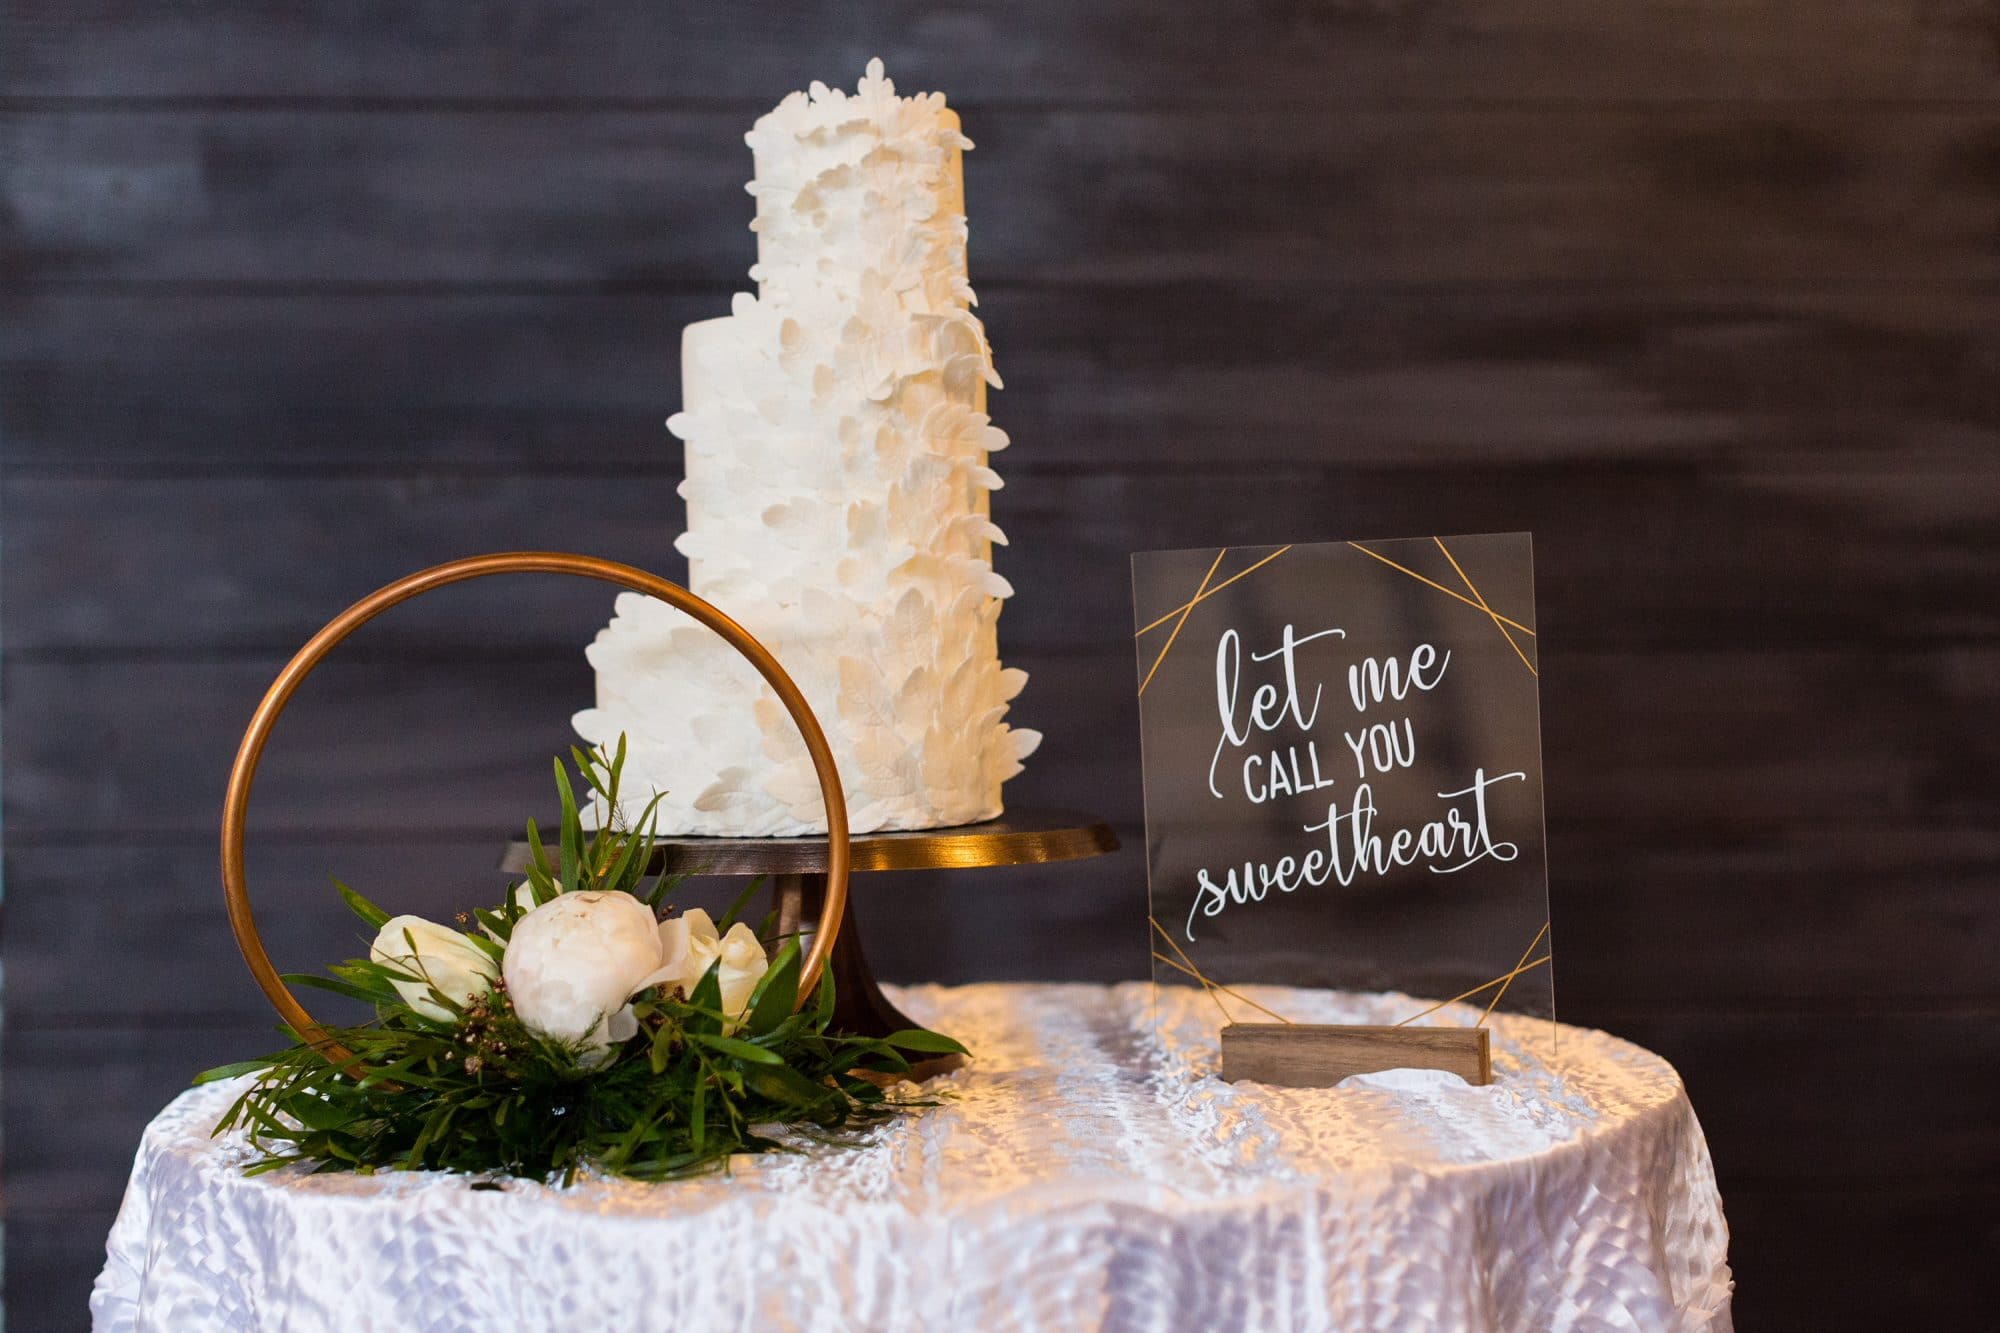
(797, 868)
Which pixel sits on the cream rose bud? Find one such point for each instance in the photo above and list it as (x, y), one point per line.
(572, 963)
(692, 945)
(450, 964)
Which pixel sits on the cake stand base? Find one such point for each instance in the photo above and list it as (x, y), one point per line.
(859, 1006)
(797, 870)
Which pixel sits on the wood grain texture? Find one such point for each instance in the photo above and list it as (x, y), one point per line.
(1895, 1257)
(594, 198)
(1894, 1102)
(1646, 916)
(1756, 740)
(1735, 553)
(1702, 291)
(1303, 52)
(1319, 1055)
(1861, 376)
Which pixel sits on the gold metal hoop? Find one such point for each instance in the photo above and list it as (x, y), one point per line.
(236, 804)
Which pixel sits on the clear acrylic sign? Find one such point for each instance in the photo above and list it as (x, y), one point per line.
(1343, 768)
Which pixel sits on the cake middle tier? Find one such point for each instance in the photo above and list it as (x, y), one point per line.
(785, 498)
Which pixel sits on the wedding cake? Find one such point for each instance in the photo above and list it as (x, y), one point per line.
(837, 495)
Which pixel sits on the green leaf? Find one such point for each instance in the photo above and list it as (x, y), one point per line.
(587, 765)
(782, 1083)
(493, 921)
(660, 1052)
(923, 1039)
(570, 852)
(786, 1033)
(741, 1050)
(367, 911)
(222, 1073)
(615, 875)
(617, 766)
(664, 886)
(823, 1001)
(777, 992)
(708, 998)
(635, 851)
(316, 1112)
(538, 857)
(366, 994)
(270, 1164)
(728, 918)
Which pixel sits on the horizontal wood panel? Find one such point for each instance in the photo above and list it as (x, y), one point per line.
(78, 1101)
(1703, 291)
(1040, 51)
(1272, 372)
(1642, 917)
(1789, 1098)
(343, 758)
(1674, 915)
(1845, 1257)
(1721, 740)
(1403, 195)
(1076, 921)
(1695, 553)
(52, 1260)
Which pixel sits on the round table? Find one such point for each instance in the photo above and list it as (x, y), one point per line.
(1088, 1170)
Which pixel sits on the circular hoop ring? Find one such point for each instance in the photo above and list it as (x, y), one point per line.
(236, 804)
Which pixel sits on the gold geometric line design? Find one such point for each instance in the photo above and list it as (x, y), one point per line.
(1497, 981)
(1494, 1003)
(1215, 986)
(1187, 966)
(1185, 612)
(1211, 592)
(1457, 596)
(1480, 597)
(1206, 988)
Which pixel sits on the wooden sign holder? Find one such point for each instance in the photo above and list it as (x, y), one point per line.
(1319, 1055)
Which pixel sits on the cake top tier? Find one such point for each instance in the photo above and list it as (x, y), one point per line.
(849, 183)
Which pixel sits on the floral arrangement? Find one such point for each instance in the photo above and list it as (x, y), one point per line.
(571, 1029)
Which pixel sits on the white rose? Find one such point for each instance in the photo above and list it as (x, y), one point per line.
(572, 963)
(450, 964)
(692, 944)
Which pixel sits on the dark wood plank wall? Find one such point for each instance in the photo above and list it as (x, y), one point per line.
(1701, 291)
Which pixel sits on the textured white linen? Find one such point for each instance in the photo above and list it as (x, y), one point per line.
(1086, 1174)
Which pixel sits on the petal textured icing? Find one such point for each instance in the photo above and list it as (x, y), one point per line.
(836, 482)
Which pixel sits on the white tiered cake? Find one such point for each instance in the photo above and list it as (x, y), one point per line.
(837, 490)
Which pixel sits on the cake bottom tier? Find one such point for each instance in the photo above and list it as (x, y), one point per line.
(914, 718)
(1087, 1171)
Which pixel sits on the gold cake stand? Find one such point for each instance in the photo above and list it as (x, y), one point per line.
(797, 868)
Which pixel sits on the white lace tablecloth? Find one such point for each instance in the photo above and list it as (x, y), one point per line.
(1086, 1173)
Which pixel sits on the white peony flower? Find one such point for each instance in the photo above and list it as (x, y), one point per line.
(574, 962)
(693, 945)
(450, 964)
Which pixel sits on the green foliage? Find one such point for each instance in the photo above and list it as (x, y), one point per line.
(480, 1093)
